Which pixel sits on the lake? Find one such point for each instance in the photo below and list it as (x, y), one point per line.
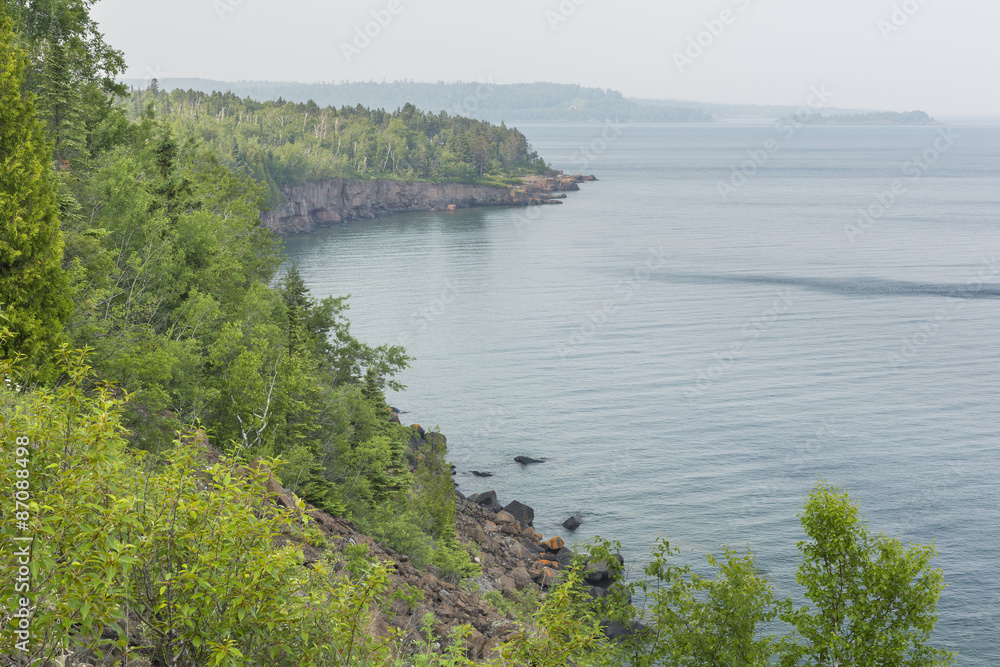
(731, 313)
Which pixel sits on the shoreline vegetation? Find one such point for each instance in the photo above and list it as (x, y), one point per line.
(200, 463)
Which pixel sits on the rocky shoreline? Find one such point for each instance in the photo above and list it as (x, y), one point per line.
(512, 556)
(312, 206)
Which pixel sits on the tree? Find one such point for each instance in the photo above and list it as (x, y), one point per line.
(34, 290)
(875, 599)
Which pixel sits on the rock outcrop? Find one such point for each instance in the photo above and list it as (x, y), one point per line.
(312, 206)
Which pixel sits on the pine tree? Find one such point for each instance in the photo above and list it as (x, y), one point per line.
(34, 291)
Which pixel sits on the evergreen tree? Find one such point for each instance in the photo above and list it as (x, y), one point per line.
(33, 288)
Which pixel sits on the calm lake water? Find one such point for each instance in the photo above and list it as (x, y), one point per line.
(692, 348)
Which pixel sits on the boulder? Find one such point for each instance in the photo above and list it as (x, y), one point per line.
(525, 460)
(475, 644)
(572, 523)
(599, 571)
(507, 585)
(477, 533)
(521, 577)
(419, 429)
(554, 544)
(505, 518)
(532, 547)
(490, 527)
(489, 501)
(478, 473)
(521, 512)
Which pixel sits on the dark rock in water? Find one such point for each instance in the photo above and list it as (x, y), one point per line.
(525, 460)
(616, 630)
(482, 474)
(599, 571)
(489, 501)
(572, 523)
(522, 513)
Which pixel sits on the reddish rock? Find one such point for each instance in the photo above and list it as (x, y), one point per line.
(505, 518)
(553, 544)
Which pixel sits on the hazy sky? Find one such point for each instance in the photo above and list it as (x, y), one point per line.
(942, 56)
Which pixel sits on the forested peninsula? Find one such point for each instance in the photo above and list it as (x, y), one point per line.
(199, 463)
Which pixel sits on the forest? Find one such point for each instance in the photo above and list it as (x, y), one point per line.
(281, 143)
(485, 100)
(159, 366)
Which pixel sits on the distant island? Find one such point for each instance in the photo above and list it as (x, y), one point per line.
(874, 118)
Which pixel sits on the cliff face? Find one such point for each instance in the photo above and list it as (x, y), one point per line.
(321, 204)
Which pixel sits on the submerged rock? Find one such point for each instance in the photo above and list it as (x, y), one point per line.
(525, 460)
(572, 523)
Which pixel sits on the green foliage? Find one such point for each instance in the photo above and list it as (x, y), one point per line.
(695, 620)
(279, 143)
(875, 599)
(33, 287)
(81, 482)
(433, 489)
(566, 630)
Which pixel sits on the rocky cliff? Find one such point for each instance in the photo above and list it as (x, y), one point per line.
(323, 203)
